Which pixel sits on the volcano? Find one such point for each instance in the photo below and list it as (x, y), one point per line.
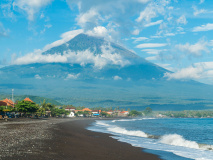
(91, 71)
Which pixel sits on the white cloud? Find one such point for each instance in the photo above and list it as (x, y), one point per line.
(72, 76)
(37, 76)
(65, 37)
(206, 27)
(115, 16)
(169, 34)
(152, 58)
(117, 78)
(201, 71)
(152, 10)
(80, 57)
(137, 39)
(153, 23)
(185, 73)
(151, 45)
(3, 32)
(166, 66)
(194, 49)
(99, 31)
(197, 11)
(91, 16)
(136, 32)
(182, 20)
(153, 51)
(202, 1)
(31, 7)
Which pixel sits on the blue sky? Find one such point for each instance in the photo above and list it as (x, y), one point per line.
(175, 34)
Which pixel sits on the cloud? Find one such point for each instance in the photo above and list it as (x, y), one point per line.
(166, 66)
(65, 37)
(117, 78)
(153, 23)
(91, 16)
(136, 32)
(3, 32)
(151, 45)
(194, 49)
(137, 39)
(185, 73)
(118, 17)
(152, 58)
(197, 11)
(152, 10)
(206, 27)
(153, 51)
(37, 76)
(72, 76)
(198, 71)
(182, 20)
(7, 9)
(202, 1)
(31, 7)
(108, 56)
(100, 31)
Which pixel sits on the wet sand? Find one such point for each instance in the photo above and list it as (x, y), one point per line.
(63, 139)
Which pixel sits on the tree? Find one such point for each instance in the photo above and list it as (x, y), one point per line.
(134, 113)
(41, 111)
(79, 113)
(26, 106)
(148, 110)
(104, 114)
(86, 113)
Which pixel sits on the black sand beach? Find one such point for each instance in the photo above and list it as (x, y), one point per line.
(62, 139)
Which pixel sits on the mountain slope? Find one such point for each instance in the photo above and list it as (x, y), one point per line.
(115, 83)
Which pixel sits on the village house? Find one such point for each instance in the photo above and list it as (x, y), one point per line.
(124, 113)
(8, 102)
(72, 111)
(110, 112)
(96, 113)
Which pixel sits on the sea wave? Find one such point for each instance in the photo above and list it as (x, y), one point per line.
(128, 120)
(169, 139)
(127, 132)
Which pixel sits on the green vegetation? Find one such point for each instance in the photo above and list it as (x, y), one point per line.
(187, 114)
(35, 99)
(26, 107)
(135, 113)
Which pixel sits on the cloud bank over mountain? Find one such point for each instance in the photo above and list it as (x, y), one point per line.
(106, 57)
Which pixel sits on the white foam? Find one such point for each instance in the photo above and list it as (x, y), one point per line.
(101, 123)
(124, 120)
(126, 132)
(178, 140)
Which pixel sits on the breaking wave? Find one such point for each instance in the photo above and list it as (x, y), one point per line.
(178, 140)
(129, 120)
(127, 132)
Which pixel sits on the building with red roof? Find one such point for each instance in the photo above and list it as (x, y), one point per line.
(8, 102)
(28, 99)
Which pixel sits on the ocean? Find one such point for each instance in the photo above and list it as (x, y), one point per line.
(171, 139)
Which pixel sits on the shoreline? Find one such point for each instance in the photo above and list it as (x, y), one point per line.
(66, 139)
